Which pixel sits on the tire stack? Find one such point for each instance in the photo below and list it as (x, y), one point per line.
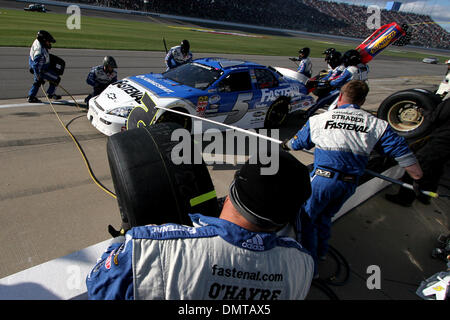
(150, 188)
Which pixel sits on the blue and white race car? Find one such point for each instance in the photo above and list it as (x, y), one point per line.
(234, 92)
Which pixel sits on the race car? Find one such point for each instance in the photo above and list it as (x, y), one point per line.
(35, 7)
(230, 91)
(430, 60)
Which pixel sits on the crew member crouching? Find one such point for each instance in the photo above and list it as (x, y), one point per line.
(100, 77)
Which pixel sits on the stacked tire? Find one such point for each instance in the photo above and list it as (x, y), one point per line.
(150, 188)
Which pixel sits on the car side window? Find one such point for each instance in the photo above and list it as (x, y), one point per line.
(237, 81)
(265, 79)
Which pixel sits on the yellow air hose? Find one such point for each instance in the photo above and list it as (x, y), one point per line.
(80, 149)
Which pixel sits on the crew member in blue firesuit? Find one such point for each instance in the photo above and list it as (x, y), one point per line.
(354, 69)
(101, 77)
(238, 255)
(327, 52)
(344, 138)
(305, 65)
(178, 55)
(334, 61)
(39, 62)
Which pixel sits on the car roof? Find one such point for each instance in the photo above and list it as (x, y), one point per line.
(225, 63)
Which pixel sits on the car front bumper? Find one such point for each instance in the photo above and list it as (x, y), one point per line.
(103, 122)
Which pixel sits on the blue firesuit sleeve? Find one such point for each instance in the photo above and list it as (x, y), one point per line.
(396, 147)
(301, 66)
(91, 78)
(302, 140)
(341, 80)
(327, 76)
(37, 64)
(112, 276)
(170, 62)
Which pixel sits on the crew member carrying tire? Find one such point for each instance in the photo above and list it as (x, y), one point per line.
(101, 76)
(39, 62)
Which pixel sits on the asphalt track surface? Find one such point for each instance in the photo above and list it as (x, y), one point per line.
(49, 206)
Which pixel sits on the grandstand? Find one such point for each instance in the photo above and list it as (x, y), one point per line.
(425, 32)
(316, 16)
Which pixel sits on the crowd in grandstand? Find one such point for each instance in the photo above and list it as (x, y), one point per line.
(305, 15)
(425, 32)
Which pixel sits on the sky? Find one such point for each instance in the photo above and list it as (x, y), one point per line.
(439, 10)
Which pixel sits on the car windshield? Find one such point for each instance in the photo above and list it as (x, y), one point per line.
(194, 75)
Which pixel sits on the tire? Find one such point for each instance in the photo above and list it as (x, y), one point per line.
(184, 122)
(141, 117)
(150, 188)
(408, 112)
(276, 114)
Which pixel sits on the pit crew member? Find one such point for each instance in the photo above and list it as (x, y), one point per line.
(39, 63)
(444, 88)
(327, 52)
(305, 65)
(101, 76)
(236, 256)
(354, 69)
(334, 60)
(178, 55)
(344, 138)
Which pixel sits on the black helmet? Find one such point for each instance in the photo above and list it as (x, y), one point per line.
(109, 61)
(43, 36)
(351, 58)
(185, 46)
(305, 51)
(328, 51)
(254, 194)
(334, 59)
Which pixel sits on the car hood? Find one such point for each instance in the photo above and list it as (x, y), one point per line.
(129, 91)
(164, 88)
(291, 74)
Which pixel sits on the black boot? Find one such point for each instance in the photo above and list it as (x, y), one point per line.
(33, 99)
(54, 96)
(86, 100)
